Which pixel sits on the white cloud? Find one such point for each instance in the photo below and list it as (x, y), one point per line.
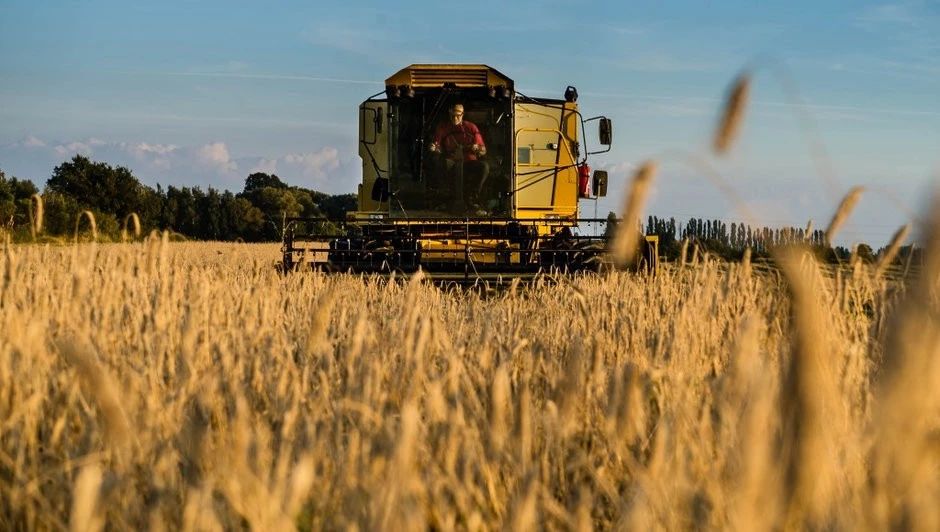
(623, 168)
(32, 142)
(72, 148)
(143, 148)
(216, 155)
(159, 155)
(317, 164)
(211, 164)
(267, 166)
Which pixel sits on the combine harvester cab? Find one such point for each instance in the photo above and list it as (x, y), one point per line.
(466, 179)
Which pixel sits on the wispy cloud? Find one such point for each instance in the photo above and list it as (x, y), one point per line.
(698, 105)
(316, 164)
(893, 14)
(282, 77)
(910, 32)
(30, 141)
(209, 164)
(662, 62)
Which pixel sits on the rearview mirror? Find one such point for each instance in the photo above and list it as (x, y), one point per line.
(605, 131)
(600, 183)
(379, 122)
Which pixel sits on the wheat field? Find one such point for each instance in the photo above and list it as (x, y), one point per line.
(166, 386)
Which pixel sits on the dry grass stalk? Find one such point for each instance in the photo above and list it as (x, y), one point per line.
(35, 214)
(683, 251)
(499, 409)
(135, 225)
(626, 239)
(746, 262)
(100, 385)
(732, 115)
(891, 252)
(906, 454)
(809, 412)
(808, 233)
(843, 212)
(907, 261)
(91, 224)
(86, 515)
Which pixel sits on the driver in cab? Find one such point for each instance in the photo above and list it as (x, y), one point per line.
(460, 141)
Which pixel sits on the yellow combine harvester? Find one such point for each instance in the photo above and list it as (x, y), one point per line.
(465, 178)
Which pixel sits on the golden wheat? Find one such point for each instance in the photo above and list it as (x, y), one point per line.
(732, 114)
(159, 385)
(626, 239)
(843, 211)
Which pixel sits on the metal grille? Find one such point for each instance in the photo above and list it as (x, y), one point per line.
(435, 77)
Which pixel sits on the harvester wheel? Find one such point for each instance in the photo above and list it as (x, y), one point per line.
(590, 255)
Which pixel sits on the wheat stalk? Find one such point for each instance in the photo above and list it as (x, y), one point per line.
(808, 412)
(842, 213)
(732, 115)
(135, 224)
(86, 516)
(91, 223)
(891, 252)
(626, 238)
(101, 385)
(35, 214)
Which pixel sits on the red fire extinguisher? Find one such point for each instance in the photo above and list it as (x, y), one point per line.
(584, 180)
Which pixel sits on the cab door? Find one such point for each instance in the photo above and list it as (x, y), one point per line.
(373, 150)
(546, 150)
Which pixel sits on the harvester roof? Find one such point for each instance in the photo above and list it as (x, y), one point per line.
(436, 75)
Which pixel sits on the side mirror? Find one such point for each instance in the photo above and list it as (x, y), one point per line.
(379, 122)
(380, 190)
(605, 131)
(600, 183)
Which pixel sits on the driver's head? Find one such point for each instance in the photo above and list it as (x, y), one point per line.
(456, 114)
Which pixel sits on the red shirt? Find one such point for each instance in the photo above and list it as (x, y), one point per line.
(448, 136)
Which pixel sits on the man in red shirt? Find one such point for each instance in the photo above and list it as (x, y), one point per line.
(460, 143)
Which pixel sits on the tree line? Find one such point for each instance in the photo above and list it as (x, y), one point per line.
(730, 240)
(113, 194)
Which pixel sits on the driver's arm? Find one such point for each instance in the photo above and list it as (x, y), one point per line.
(478, 146)
(436, 143)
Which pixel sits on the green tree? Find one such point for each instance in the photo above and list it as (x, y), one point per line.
(259, 180)
(865, 253)
(241, 219)
(61, 213)
(179, 211)
(15, 198)
(98, 186)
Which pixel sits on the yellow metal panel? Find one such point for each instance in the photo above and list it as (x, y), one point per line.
(566, 186)
(372, 144)
(481, 251)
(545, 177)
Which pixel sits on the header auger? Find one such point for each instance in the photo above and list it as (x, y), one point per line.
(465, 178)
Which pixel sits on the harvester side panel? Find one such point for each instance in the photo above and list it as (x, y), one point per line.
(546, 152)
(373, 150)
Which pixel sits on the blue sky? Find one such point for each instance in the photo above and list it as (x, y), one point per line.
(202, 93)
